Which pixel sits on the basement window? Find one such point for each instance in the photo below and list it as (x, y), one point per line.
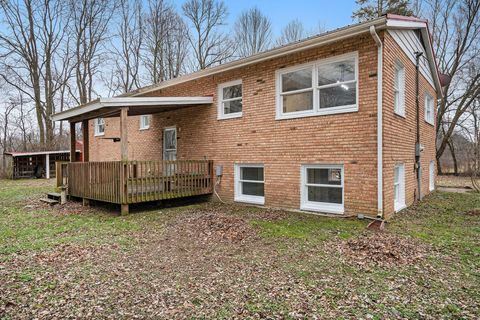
(399, 187)
(249, 183)
(327, 86)
(99, 125)
(322, 188)
(399, 89)
(230, 101)
(145, 122)
(429, 109)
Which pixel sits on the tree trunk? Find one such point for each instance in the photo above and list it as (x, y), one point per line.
(454, 158)
(439, 167)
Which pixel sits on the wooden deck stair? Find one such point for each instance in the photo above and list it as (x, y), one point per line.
(52, 198)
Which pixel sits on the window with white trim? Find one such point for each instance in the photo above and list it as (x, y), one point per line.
(230, 101)
(431, 171)
(99, 125)
(322, 188)
(145, 121)
(399, 187)
(399, 89)
(327, 86)
(429, 108)
(249, 183)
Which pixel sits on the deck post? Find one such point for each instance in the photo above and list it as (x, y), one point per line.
(73, 139)
(124, 154)
(124, 209)
(86, 140)
(124, 133)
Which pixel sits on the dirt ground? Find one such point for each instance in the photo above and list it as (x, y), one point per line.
(233, 262)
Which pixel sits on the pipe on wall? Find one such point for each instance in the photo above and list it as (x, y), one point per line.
(418, 146)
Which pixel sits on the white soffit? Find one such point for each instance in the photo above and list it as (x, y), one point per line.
(131, 102)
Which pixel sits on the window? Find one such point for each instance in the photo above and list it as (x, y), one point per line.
(431, 171)
(399, 187)
(249, 183)
(399, 90)
(429, 109)
(145, 121)
(322, 188)
(99, 124)
(325, 87)
(230, 100)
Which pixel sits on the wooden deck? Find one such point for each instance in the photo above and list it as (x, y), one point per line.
(127, 182)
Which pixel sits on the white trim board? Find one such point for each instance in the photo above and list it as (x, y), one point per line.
(409, 43)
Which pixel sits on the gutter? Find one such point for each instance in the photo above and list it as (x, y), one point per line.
(379, 44)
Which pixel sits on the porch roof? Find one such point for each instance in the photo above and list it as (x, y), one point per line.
(110, 107)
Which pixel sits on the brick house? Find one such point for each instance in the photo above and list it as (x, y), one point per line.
(326, 125)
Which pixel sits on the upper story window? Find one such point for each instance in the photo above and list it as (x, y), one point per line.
(429, 109)
(324, 87)
(145, 121)
(230, 100)
(99, 124)
(399, 89)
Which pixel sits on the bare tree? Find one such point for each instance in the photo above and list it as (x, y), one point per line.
(126, 57)
(90, 21)
(210, 45)
(370, 9)
(34, 32)
(253, 32)
(455, 28)
(166, 42)
(6, 133)
(176, 48)
(292, 32)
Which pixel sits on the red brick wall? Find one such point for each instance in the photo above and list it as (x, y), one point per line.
(281, 145)
(399, 134)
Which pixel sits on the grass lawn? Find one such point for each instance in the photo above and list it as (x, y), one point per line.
(207, 261)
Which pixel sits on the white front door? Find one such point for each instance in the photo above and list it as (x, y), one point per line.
(170, 144)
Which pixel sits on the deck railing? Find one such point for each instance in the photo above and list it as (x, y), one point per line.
(137, 181)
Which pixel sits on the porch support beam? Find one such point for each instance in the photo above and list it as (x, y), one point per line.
(124, 133)
(86, 140)
(73, 139)
(124, 207)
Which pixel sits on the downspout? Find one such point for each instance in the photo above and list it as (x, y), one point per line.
(418, 146)
(379, 43)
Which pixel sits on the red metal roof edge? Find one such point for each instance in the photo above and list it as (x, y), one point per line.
(405, 18)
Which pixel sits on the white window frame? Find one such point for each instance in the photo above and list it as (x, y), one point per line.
(220, 110)
(96, 124)
(399, 203)
(323, 207)
(239, 197)
(143, 126)
(431, 176)
(399, 105)
(431, 107)
(316, 111)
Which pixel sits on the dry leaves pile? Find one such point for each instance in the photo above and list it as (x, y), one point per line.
(207, 226)
(379, 249)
